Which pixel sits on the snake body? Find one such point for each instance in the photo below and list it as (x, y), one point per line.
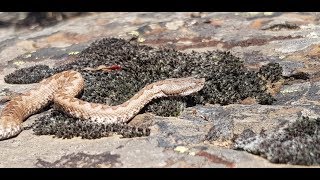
(62, 89)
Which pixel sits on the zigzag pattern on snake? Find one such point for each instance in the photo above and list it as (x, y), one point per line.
(62, 89)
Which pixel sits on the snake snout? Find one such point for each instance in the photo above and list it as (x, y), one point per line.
(8, 130)
(6, 133)
(183, 86)
(195, 85)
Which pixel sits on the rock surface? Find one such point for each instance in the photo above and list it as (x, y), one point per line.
(202, 135)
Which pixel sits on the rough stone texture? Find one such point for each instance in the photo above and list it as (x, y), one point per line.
(300, 139)
(206, 132)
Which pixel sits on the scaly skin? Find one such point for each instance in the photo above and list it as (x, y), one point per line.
(62, 88)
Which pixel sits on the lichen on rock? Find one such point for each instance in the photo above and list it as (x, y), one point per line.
(55, 123)
(29, 75)
(296, 143)
(227, 80)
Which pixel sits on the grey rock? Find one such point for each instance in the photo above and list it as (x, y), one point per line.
(206, 133)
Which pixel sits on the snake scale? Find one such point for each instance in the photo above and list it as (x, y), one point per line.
(62, 89)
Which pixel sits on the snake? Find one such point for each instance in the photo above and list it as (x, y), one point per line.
(62, 90)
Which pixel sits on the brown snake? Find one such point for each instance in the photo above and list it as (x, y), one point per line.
(62, 88)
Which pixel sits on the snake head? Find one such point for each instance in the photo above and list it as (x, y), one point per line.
(182, 86)
(8, 128)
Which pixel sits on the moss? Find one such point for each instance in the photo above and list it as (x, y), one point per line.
(278, 27)
(55, 123)
(296, 143)
(227, 80)
(29, 75)
(271, 72)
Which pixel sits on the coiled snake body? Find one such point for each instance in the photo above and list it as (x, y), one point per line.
(62, 88)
